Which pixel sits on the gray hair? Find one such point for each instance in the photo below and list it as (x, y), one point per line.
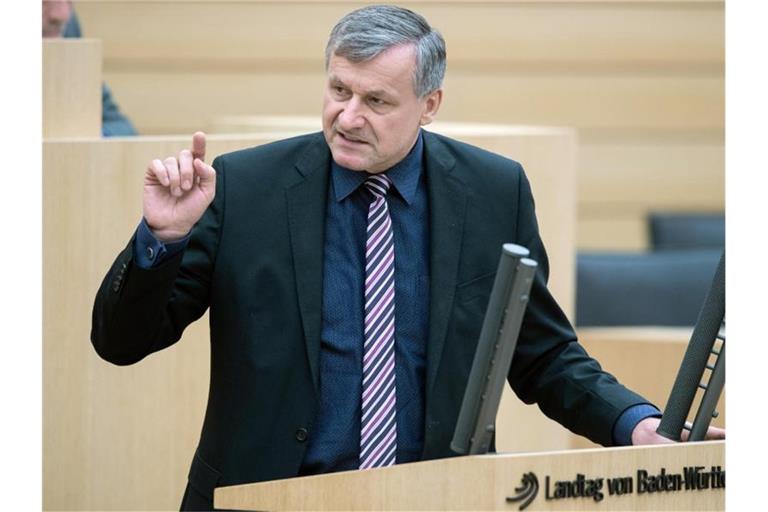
(367, 32)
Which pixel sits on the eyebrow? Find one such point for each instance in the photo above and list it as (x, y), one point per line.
(378, 93)
(334, 80)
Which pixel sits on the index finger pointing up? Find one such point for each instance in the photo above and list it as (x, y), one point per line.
(198, 145)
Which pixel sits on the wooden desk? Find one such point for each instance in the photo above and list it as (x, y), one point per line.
(645, 359)
(71, 88)
(485, 482)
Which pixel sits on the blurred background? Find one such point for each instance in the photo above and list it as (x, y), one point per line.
(642, 81)
(630, 195)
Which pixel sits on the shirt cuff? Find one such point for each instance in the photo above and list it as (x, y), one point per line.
(149, 252)
(622, 429)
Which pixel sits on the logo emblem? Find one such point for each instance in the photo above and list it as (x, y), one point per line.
(526, 492)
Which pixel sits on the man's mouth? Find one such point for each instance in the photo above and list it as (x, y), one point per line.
(351, 138)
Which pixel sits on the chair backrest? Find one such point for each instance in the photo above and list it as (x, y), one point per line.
(658, 288)
(687, 231)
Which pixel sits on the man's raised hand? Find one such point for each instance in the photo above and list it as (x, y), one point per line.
(178, 190)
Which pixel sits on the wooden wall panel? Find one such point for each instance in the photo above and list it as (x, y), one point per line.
(666, 175)
(615, 70)
(609, 231)
(608, 32)
(72, 88)
(645, 359)
(612, 104)
(620, 183)
(610, 64)
(188, 100)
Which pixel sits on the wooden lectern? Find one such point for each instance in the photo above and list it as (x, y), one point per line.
(685, 476)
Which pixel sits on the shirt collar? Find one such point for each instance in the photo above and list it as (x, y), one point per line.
(404, 175)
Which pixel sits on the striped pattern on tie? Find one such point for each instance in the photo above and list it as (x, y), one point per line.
(378, 428)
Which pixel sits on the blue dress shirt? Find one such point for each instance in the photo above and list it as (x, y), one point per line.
(335, 440)
(333, 444)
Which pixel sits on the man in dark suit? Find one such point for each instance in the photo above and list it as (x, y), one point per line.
(347, 274)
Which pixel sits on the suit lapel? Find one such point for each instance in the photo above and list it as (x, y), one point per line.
(306, 201)
(447, 204)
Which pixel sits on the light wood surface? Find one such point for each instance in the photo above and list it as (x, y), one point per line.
(642, 82)
(71, 88)
(114, 438)
(608, 34)
(620, 183)
(484, 483)
(122, 438)
(646, 360)
(611, 104)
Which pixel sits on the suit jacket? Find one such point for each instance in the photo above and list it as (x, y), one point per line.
(256, 260)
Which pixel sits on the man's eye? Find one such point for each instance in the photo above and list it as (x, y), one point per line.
(338, 90)
(377, 101)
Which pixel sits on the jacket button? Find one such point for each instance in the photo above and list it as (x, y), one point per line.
(301, 435)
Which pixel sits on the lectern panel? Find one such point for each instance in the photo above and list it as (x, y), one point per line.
(688, 476)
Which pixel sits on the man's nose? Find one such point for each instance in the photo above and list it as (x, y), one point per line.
(351, 117)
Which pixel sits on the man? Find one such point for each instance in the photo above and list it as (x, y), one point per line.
(347, 275)
(56, 14)
(60, 20)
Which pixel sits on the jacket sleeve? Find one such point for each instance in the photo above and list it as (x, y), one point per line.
(550, 367)
(139, 311)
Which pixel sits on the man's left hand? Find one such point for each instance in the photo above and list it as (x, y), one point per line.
(645, 433)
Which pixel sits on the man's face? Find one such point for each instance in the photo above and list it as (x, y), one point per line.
(371, 114)
(56, 13)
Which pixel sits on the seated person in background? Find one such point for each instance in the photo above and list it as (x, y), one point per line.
(60, 20)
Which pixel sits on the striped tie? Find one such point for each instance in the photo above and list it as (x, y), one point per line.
(378, 429)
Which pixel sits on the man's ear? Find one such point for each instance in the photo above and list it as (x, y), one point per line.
(431, 106)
